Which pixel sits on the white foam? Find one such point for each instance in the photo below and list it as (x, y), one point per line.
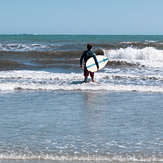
(79, 157)
(41, 80)
(148, 56)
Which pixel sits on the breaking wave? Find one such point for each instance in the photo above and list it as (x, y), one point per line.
(148, 56)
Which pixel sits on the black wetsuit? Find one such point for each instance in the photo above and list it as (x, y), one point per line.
(88, 54)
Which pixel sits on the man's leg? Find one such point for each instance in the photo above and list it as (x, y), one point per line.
(86, 74)
(85, 79)
(92, 76)
(93, 79)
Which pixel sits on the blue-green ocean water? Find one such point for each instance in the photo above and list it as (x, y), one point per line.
(48, 114)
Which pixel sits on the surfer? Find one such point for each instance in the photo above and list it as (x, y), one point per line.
(86, 55)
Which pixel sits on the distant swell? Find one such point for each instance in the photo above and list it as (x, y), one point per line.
(62, 46)
(44, 54)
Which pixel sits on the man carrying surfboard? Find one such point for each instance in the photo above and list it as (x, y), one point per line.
(86, 55)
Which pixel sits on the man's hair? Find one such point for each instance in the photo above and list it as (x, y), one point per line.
(89, 46)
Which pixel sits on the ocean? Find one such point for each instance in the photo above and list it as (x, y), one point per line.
(47, 113)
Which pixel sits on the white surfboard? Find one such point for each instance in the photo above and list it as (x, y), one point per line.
(91, 65)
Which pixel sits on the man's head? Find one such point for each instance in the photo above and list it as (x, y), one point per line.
(89, 46)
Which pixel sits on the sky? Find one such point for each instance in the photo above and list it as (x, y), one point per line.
(101, 17)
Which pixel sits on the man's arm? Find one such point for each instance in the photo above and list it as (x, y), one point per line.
(94, 56)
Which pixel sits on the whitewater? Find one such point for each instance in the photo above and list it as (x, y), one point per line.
(34, 80)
